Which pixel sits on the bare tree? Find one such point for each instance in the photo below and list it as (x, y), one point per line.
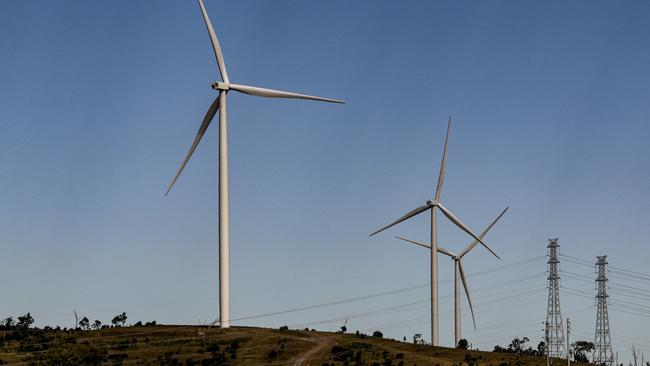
(635, 354)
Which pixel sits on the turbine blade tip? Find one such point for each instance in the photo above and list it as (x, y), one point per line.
(334, 101)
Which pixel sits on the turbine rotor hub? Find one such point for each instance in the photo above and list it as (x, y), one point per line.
(219, 85)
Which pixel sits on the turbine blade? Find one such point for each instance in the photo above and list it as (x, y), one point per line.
(440, 249)
(446, 252)
(458, 223)
(443, 164)
(270, 93)
(204, 126)
(413, 242)
(215, 44)
(469, 299)
(483, 233)
(405, 217)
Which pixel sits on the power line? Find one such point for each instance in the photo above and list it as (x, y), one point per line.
(380, 294)
(420, 302)
(612, 269)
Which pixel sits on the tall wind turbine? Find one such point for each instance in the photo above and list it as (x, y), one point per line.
(219, 104)
(432, 205)
(459, 274)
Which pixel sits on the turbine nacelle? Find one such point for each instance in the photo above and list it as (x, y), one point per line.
(220, 85)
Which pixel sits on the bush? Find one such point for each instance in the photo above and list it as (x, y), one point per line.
(340, 353)
(7, 323)
(214, 347)
(25, 321)
(71, 355)
(377, 334)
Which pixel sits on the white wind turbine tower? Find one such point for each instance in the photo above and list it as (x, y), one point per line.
(219, 104)
(432, 205)
(459, 274)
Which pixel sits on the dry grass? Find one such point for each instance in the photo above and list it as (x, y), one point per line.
(181, 345)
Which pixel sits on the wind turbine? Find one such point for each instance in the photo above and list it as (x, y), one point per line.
(219, 104)
(459, 274)
(432, 205)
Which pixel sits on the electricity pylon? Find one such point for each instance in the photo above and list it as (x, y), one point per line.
(603, 354)
(555, 346)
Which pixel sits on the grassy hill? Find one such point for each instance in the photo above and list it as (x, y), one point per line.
(193, 345)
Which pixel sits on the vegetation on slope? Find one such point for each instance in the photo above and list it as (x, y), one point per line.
(199, 345)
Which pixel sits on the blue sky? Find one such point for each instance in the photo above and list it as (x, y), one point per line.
(100, 101)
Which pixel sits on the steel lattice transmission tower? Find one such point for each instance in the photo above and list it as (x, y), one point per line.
(603, 354)
(555, 347)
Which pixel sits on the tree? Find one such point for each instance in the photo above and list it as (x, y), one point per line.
(581, 348)
(541, 348)
(463, 344)
(416, 338)
(25, 321)
(518, 345)
(119, 320)
(97, 325)
(377, 334)
(84, 323)
(9, 322)
(498, 348)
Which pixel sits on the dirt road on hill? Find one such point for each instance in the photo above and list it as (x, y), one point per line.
(322, 343)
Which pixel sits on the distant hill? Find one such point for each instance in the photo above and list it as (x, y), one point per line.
(194, 345)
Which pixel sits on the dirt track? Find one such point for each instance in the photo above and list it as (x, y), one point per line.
(322, 343)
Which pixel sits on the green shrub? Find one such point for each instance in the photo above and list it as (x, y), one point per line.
(341, 353)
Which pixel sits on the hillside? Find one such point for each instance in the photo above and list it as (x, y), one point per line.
(193, 345)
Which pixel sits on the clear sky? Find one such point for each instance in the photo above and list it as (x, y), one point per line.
(99, 102)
